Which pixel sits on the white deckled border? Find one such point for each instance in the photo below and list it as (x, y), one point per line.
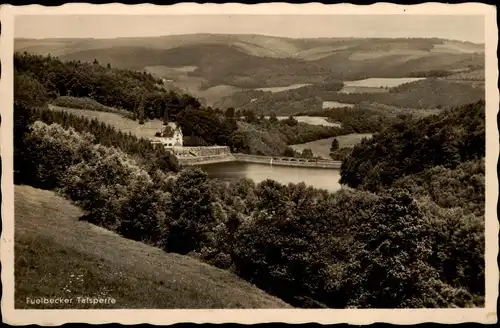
(362, 316)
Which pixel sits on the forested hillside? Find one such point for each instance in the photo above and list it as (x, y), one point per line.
(409, 234)
(430, 93)
(140, 96)
(448, 139)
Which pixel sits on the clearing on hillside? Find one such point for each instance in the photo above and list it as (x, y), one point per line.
(146, 130)
(56, 255)
(322, 147)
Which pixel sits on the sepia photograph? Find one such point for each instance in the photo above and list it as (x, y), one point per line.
(300, 160)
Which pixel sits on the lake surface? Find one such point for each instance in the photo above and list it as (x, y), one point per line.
(232, 171)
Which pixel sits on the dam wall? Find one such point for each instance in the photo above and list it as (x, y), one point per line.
(190, 156)
(203, 160)
(288, 161)
(201, 151)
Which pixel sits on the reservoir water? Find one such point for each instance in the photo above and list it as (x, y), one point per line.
(318, 178)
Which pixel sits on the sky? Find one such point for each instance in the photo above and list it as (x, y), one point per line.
(456, 27)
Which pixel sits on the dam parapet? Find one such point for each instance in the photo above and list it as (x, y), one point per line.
(288, 161)
(191, 156)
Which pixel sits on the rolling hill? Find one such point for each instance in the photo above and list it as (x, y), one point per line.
(256, 45)
(59, 256)
(212, 66)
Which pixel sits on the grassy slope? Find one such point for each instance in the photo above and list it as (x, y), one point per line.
(55, 252)
(146, 130)
(322, 147)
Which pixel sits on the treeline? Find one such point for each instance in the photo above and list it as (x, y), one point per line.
(137, 92)
(457, 135)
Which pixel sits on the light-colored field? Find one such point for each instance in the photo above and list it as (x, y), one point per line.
(319, 52)
(146, 130)
(56, 255)
(280, 89)
(376, 82)
(165, 71)
(376, 85)
(335, 104)
(363, 90)
(458, 47)
(406, 54)
(322, 147)
(313, 120)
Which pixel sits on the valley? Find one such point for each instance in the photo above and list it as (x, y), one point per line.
(380, 146)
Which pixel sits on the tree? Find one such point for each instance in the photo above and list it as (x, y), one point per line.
(165, 117)
(273, 119)
(307, 153)
(291, 121)
(28, 91)
(249, 116)
(335, 145)
(191, 212)
(141, 113)
(289, 152)
(229, 112)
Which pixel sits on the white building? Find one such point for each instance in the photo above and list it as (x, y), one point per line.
(170, 136)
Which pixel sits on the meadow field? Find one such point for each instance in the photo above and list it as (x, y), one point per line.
(335, 104)
(322, 147)
(146, 130)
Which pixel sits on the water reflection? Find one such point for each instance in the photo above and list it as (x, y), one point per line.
(232, 171)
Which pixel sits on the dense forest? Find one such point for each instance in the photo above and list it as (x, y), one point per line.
(409, 233)
(118, 88)
(409, 147)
